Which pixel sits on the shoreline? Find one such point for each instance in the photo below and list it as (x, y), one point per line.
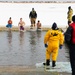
(15, 28)
(37, 1)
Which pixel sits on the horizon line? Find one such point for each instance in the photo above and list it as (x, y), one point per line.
(38, 1)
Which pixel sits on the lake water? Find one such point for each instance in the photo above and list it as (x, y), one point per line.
(25, 48)
(47, 13)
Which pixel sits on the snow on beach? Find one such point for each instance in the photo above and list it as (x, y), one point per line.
(47, 13)
(60, 67)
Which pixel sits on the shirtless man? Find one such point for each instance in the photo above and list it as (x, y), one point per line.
(21, 25)
(38, 25)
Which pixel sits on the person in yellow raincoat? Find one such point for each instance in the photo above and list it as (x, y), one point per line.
(70, 13)
(53, 40)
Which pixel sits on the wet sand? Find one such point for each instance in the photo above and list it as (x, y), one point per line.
(23, 70)
(15, 28)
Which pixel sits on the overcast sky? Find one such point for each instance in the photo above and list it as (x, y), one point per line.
(37, 0)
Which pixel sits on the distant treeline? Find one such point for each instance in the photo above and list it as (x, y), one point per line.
(37, 1)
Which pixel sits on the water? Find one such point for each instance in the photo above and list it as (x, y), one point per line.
(47, 13)
(26, 49)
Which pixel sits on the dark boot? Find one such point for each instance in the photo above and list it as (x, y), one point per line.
(47, 63)
(44, 63)
(53, 63)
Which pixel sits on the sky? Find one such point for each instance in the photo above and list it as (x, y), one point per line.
(37, 0)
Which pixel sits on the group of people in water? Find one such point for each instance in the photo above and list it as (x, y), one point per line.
(21, 24)
(33, 17)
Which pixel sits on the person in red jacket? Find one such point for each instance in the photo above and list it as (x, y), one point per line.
(70, 37)
(9, 25)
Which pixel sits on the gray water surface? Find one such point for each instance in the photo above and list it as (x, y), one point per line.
(26, 49)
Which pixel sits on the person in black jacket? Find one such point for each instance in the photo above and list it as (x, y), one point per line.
(70, 40)
(33, 16)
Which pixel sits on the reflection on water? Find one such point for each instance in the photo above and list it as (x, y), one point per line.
(32, 38)
(25, 48)
(9, 36)
(66, 51)
(21, 38)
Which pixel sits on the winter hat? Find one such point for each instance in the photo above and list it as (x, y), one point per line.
(54, 26)
(73, 18)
